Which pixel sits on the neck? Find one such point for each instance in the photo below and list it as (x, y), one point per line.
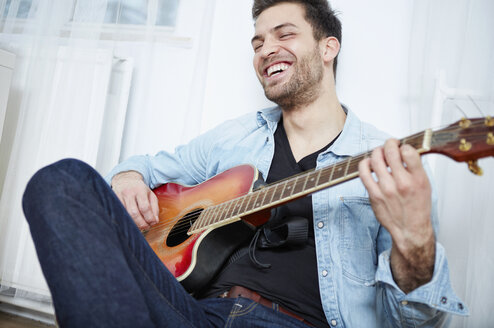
(313, 126)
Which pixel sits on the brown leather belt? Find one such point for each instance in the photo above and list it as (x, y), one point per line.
(239, 291)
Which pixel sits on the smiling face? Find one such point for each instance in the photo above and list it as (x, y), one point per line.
(287, 58)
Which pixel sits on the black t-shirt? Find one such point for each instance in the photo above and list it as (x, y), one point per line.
(291, 280)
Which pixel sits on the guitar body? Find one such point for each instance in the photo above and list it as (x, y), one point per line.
(195, 259)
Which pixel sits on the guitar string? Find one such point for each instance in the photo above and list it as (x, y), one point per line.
(195, 214)
(186, 217)
(326, 172)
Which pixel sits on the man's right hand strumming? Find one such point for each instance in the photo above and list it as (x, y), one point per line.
(137, 198)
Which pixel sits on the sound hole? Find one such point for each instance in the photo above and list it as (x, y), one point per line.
(178, 234)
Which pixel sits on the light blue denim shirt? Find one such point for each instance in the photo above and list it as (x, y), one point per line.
(355, 280)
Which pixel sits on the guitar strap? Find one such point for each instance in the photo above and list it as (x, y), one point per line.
(287, 231)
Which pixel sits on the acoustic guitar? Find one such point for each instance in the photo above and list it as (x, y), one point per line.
(200, 226)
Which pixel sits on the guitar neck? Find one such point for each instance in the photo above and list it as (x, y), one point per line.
(293, 188)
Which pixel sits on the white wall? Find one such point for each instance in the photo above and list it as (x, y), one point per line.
(231, 82)
(373, 68)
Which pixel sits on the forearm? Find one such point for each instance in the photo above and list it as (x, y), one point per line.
(413, 265)
(424, 306)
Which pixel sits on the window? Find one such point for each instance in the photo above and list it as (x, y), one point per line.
(129, 12)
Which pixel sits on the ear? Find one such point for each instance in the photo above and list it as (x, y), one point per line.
(330, 48)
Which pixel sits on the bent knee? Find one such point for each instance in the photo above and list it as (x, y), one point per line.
(57, 176)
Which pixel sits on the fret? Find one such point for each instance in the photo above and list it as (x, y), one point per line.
(230, 209)
(222, 212)
(311, 181)
(415, 141)
(353, 167)
(288, 190)
(346, 166)
(282, 190)
(199, 224)
(238, 203)
(249, 204)
(205, 217)
(324, 176)
(318, 178)
(275, 188)
(332, 173)
(299, 184)
(305, 182)
(279, 193)
(243, 206)
(338, 171)
(216, 214)
(266, 192)
(255, 203)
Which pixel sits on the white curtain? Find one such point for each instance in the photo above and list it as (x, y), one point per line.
(84, 72)
(452, 76)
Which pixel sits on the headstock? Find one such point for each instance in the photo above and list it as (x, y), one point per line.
(466, 141)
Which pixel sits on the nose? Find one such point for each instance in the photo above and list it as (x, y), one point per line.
(269, 48)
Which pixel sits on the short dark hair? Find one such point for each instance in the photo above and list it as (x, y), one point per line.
(318, 14)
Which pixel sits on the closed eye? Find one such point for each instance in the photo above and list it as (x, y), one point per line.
(286, 36)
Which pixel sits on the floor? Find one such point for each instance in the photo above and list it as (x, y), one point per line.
(11, 321)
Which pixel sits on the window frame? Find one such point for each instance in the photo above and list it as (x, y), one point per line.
(152, 16)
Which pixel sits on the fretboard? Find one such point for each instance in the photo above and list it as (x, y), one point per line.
(292, 188)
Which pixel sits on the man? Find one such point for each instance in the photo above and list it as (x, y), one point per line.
(361, 264)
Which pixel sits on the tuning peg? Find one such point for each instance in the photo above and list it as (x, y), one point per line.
(465, 123)
(475, 168)
(465, 145)
(490, 139)
(489, 121)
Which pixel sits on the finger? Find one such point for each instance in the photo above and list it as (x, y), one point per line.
(392, 155)
(145, 208)
(412, 160)
(370, 184)
(153, 200)
(379, 166)
(135, 214)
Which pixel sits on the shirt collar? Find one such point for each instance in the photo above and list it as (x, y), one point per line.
(349, 143)
(270, 116)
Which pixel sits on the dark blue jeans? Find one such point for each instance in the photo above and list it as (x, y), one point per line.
(101, 271)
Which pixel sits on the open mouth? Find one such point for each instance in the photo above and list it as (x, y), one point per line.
(276, 69)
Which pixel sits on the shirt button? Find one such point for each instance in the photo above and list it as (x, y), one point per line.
(320, 224)
(444, 300)
(324, 273)
(460, 306)
(334, 322)
(404, 303)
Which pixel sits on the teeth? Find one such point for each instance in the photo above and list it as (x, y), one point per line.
(278, 68)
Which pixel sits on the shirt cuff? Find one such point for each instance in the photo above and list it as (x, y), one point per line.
(135, 163)
(437, 293)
